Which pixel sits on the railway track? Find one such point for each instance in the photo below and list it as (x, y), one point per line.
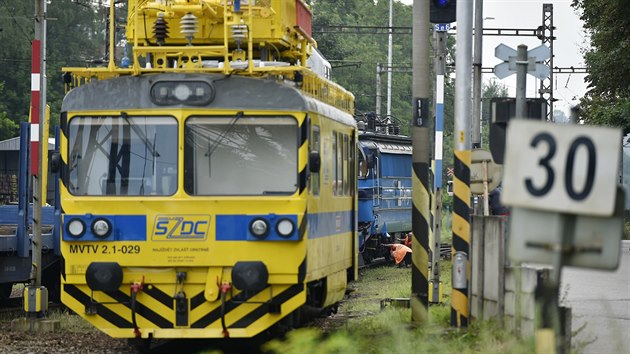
(445, 253)
(445, 250)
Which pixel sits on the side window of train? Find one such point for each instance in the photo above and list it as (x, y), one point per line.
(315, 146)
(339, 160)
(334, 163)
(346, 168)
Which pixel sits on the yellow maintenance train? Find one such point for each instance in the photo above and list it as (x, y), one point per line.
(207, 182)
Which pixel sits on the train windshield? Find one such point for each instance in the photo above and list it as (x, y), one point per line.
(122, 155)
(240, 155)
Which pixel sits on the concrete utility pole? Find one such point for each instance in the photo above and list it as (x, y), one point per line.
(461, 178)
(476, 109)
(379, 69)
(389, 60)
(36, 295)
(421, 162)
(439, 65)
(38, 114)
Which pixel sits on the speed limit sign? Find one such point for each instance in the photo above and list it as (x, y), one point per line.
(562, 168)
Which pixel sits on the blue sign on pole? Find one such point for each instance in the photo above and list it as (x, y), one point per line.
(442, 27)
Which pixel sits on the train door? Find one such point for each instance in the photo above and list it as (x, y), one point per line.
(377, 178)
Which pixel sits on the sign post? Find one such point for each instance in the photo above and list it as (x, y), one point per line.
(568, 209)
(522, 62)
(534, 59)
(485, 175)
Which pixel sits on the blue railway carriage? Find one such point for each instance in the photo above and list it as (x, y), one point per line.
(384, 191)
(15, 250)
(204, 205)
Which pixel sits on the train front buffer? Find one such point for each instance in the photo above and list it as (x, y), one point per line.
(168, 275)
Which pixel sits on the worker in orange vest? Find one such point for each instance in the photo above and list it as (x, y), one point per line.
(399, 253)
(408, 240)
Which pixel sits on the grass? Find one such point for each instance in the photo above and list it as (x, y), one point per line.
(71, 322)
(366, 328)
(363, 327)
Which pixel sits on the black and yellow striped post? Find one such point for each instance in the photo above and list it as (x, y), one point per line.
(461, 180)
(420, 138)
(420, 218)
(461, 239)
(421, 223)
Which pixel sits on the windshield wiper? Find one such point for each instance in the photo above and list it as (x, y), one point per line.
(141, 135)
(220, 139)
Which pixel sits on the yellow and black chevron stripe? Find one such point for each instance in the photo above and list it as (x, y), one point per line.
(421, 218)
(157, 309)
(461, 233)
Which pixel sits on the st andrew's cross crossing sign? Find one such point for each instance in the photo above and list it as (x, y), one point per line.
(535, 57)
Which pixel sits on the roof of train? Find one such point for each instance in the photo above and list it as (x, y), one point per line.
(381, 137)
(393, 144)
(230, 92)
(13, 144)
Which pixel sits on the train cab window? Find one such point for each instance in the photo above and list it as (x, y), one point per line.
(363, 164)
(240, 155)
(122, 155)
(315, 146)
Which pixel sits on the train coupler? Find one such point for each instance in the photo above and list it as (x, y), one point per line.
(181, 301)
(181, 309)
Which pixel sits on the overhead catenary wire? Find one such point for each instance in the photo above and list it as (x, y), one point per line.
(13, 17)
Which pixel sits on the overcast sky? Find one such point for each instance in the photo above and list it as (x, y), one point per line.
(527, 14)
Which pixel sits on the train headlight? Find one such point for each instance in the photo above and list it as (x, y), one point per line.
(259, 228)
(196, 93)
(285, 228)
(76, 228)
(182, 92)
(101, 228)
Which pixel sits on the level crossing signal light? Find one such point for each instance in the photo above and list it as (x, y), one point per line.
(442, 11)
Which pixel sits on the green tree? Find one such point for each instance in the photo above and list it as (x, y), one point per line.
(368, 50)
(355, 56)
(489, 90)
(607, 101)
(74, 34)
(8, 128)
(15, 54)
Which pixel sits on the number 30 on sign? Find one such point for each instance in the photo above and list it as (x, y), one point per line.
(561, 168)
